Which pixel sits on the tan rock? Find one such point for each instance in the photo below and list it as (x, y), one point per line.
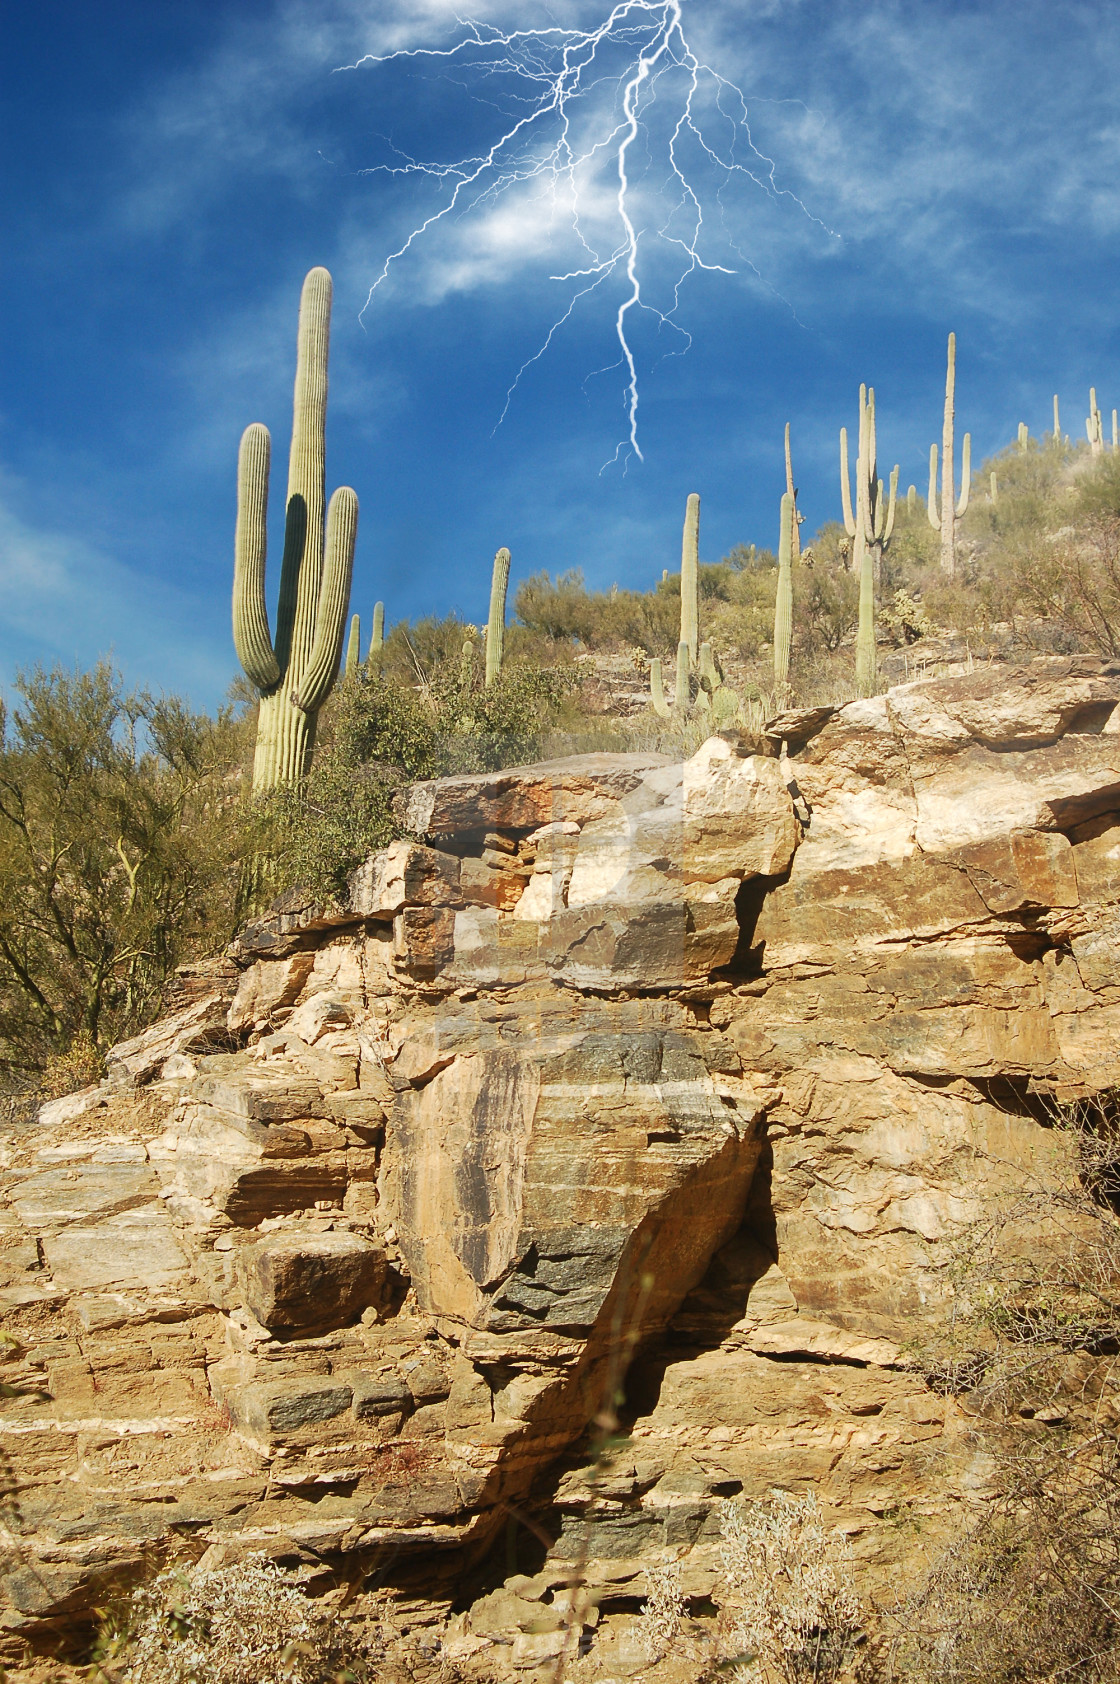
(265, 986)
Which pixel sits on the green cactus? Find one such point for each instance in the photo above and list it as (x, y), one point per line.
(1056, 435)
(690, 577)
(783, 602)
(657, 690)
(295, 676)
(350, 670)
(878, 511)
(496, 625)
(911, 500)
(1093, 424)
(682, 696)
(795, 535)
(944, 521)
(376, 639)
(1024, 435)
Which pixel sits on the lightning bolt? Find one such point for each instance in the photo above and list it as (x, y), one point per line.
(577, 103)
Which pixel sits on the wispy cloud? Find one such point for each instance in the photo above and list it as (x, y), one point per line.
(64, 600)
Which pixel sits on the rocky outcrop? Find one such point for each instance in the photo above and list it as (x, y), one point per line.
(617, 1061)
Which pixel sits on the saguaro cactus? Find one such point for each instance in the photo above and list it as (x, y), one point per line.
(1056, 435)
(690, 578)
(295, 675)
(1093, 428)
(1024, 436)
(681, 696)
(877, 519)
(795, 535)
(944, 521)
(496, 625)
(783, 602)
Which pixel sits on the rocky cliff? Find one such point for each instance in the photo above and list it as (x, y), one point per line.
(620, 1065)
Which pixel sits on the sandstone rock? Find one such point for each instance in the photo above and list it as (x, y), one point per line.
(404, 874)
(298, 1279)
(265, 986)
(71, 1106)
(524, 798)
(130, 1063)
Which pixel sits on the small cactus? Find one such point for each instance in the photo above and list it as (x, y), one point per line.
(995, 488)
(294, 675)
(657, 689)
(1024, 435)
(1093, 429)
(1056, 435)
(911, 500)
(783, 602)
(496, 625)
(944, 521)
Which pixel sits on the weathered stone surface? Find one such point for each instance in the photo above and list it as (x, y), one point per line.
(202, 1024)
(579, 788)
(265, 986)
(404, 874)
(852, 974)
(308, 1279)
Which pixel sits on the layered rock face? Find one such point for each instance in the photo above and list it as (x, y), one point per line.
(700, 1065)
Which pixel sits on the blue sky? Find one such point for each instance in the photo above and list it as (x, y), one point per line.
(171, 172)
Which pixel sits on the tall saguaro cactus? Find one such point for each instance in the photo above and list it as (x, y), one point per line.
(871, 525)
(795, 535)
(944, 521)
(877, 519)
(690, 577)
(294, 675)
(1093, 428)
(376, 639)
(783, 602)
(496, 625)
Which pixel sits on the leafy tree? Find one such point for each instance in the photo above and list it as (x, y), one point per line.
(117, 858)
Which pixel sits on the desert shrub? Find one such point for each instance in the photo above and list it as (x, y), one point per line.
(1031, 1591)
(788, 1611)
(663, 1609)
(567, 612)
(1072, 582)
(242, 1624)
(120, 833)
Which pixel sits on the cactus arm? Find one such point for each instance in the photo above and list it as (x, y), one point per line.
(657, 689)
(911, 499)
(888, 524)
(690, 577)
(377, 635)
(931, 501)
(334, 600)
(681, 696)
(351, 668)
(845, 488)
(251, 636)
(496, 625)
(783, 600)
(966, 473)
